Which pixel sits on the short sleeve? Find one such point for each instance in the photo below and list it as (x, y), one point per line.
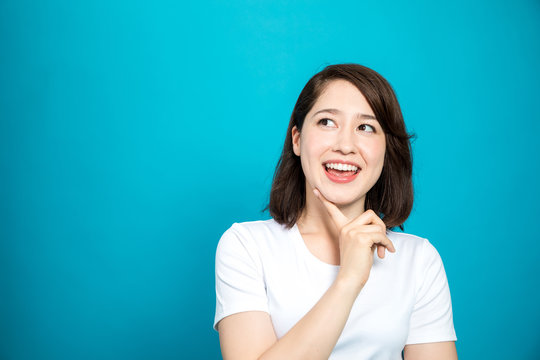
(240, 282)
(431, 318)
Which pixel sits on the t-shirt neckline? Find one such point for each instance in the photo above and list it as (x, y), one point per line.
(297, 236)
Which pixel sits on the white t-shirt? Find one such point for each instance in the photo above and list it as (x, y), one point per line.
(263, 266)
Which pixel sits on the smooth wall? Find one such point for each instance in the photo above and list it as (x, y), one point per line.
(134, 133)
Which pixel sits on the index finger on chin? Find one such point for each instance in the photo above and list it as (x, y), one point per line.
(337, 216)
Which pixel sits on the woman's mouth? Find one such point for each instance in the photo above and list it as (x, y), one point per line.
(340, 172)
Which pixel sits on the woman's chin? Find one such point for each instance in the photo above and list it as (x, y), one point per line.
(341, 200)
(344, 203)
(338, 198)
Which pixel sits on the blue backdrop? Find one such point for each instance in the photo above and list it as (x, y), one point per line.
(133, 133)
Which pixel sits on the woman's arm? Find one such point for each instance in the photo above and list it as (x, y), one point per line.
(250, 335)
(445, 350)
(245, 335)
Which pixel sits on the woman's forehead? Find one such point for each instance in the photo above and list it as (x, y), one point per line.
(342, 96)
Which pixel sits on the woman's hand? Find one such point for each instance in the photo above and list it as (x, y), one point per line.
(358, 239)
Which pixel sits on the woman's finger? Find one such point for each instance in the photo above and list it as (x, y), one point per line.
(380, 251)
(372, 228)
(384, 242)
(337, 216)
(369, 217)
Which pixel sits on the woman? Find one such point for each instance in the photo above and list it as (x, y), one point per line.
(306, 284)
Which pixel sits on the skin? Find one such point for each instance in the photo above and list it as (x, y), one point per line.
(336, 228)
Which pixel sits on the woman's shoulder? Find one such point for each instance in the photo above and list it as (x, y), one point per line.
(412, 245)
(256, 227)
(405, 238)
(256, 233)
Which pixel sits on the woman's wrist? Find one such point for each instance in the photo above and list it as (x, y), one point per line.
(348, 286)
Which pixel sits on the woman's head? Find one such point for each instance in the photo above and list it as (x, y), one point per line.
(375, 136)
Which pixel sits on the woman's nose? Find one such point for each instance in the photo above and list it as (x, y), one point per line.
(344, 142)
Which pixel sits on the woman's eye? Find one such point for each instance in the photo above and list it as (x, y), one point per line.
(327, 122)
(366, 128)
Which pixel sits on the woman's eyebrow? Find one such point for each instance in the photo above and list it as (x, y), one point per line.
(337, 111)
(366, 116)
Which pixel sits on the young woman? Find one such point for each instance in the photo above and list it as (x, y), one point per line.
(307, 284)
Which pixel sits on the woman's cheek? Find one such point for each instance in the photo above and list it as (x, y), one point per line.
(375, 152)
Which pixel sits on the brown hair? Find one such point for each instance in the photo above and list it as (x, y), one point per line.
(392, 195)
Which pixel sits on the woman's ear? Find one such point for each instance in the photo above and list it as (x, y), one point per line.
(296, 140)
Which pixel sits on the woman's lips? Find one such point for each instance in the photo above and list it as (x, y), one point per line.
(339, 176)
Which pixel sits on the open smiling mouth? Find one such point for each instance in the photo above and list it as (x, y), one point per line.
(339, 169)
(341, 173)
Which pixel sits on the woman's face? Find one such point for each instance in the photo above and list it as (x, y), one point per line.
(341, 145)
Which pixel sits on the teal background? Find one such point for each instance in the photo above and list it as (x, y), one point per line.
(133, 133)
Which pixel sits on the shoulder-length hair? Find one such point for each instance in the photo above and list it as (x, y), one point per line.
(392, 195)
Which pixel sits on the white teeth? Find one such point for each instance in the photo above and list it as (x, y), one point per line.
(341, 167)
